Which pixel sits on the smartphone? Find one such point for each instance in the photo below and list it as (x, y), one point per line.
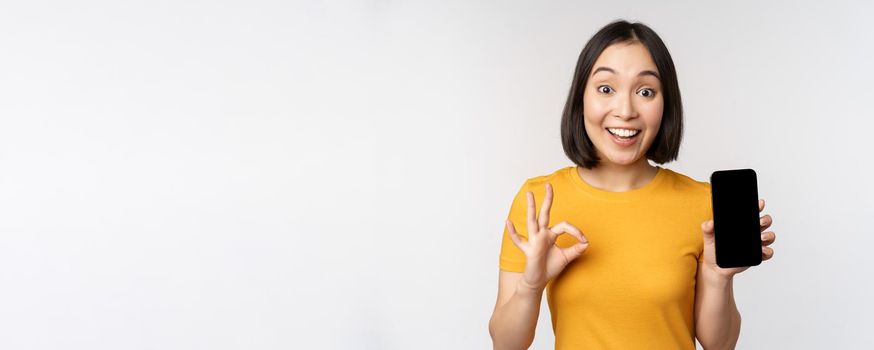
(735, 199)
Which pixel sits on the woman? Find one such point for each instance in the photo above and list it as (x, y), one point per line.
(623, 249)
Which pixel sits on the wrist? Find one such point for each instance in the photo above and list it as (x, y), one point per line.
(717, 279)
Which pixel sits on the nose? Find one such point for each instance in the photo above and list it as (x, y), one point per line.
(625, 107)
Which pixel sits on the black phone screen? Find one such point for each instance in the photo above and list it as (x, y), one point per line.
(735, 200)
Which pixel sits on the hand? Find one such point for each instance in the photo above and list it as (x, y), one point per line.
(544, 259)
(710, 246)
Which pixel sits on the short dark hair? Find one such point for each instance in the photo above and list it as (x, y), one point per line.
(666, 145)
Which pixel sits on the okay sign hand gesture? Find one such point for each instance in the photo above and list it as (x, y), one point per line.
(544, 259)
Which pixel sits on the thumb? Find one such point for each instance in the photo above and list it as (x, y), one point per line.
(707, 230)
(575, 250)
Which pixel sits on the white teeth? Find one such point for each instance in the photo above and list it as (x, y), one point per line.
(623, 132)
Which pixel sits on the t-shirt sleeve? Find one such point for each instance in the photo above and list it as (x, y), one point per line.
(707, 214)
(512, 258)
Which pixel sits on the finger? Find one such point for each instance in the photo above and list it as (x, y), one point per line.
(767, 253)
(515, 236)
(707, 226)
(761, 205)
(565, 227)
(574, 251)
(768, 238)
(543, 220)
(765, 222)
(532, 215)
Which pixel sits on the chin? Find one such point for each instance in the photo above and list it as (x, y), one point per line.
(622, 160)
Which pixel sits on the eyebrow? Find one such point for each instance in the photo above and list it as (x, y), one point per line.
(642, 73)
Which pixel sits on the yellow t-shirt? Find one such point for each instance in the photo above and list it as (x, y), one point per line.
(634, 286)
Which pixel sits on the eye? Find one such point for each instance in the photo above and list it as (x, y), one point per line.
(604, 89)
(647, 92)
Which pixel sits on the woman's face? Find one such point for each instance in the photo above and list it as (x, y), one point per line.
(623, 92)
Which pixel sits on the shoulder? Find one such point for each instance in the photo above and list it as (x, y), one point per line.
(684, 183)
(686, 189)
(560, 180)
(555, 178)
(537, 185)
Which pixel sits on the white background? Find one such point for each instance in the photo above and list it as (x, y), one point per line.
(327, 175)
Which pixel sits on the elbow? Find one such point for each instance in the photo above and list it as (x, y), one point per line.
(501, 342)
(497, 344)
(727, 340)
(493, 334)
(715, 346)
(492, 330)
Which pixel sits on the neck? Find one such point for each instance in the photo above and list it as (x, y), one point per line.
(614, 177)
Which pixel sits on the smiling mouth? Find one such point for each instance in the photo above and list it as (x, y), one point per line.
(624, 134)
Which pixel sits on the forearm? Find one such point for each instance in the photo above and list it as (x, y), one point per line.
(512, 324)
(718, 322)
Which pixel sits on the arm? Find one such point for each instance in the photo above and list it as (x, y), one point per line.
(520, 293)
(717, 321)
(515, 316)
